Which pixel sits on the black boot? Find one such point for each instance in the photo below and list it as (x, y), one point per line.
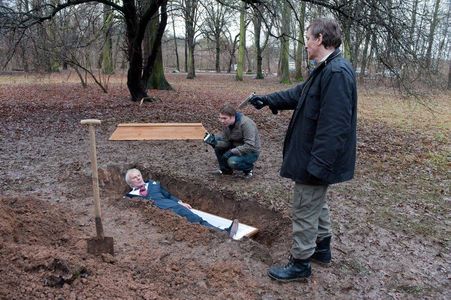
(322, 253)
(295, 269)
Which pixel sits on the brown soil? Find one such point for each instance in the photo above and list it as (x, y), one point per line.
(46, 205)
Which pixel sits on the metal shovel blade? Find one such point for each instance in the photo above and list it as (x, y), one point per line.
(98, 246)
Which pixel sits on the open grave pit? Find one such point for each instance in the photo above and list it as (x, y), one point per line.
(273, 228)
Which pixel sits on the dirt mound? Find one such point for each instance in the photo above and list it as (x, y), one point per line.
(30, 221)
(43, 255)
(35, 236)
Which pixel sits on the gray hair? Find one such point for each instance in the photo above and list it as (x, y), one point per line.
(129, 173)
(330, 30)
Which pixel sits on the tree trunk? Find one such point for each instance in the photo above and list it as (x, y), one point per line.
(301, 46)
(431, 37)
(347, 44)
(107, 50)
(41, 52)
(232, 53)
(218, 52)
(449, 51)
(240, 64)
(153, 72)
(54, 57)
(285, 44)
(134, 83)
(413, 24)
(449, 75)
(134, 52)
(191, 63)
(364, 58)
(135, 34)
(248, 60)
(258, 49)
(268, 61)
(186, 51)
(175, 45)
(191, 11)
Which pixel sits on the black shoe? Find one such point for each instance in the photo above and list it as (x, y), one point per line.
(295, 269)
(248, 174)
(233, 228)
(322, 253)
(222, 172)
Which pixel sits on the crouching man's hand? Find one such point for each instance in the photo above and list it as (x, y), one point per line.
(210, 139)
(227, 155)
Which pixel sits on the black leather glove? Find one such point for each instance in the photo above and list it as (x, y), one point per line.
(261, 101)
(210, 139)
(227, 155)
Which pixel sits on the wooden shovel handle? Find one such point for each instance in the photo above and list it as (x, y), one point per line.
(95, 174)
(90, 121)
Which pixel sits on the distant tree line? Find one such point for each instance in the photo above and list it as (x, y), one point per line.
(404, 41)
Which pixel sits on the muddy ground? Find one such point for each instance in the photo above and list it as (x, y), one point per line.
(391, 223)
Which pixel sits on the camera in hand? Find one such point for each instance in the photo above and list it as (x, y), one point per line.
(210, 139)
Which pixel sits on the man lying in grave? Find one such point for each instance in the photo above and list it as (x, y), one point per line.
(153, 191)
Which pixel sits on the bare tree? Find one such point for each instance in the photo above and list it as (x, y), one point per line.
(107, 50)
(231, 48)
(175, 42)
(135, 24)
(259, 48)
(190, 13)
(242, 41)
(217, 17)
(153, 74)
(300, 43)
(391, 37)
(285, 43)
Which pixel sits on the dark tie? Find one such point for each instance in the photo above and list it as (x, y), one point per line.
(143, 191)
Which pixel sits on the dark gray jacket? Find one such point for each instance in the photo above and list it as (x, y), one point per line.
(241, 137)
(320, 142)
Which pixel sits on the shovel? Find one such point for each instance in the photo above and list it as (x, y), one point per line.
(100, 244)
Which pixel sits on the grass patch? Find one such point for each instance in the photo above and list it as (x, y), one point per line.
(439, 160)
(354, 267)
(411, 289)
(404, 156)
(416, 206)
(426, 114)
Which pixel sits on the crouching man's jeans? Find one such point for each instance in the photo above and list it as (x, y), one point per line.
(243, 163)
(311, 219)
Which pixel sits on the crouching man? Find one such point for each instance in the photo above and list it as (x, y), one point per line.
(238, 147)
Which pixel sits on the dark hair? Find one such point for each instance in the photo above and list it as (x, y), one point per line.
(329, 29)
(228, 110)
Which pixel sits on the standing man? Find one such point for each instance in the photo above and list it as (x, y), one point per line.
(319, 147)
(239, 146)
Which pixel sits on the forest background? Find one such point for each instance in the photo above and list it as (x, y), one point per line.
(404, 41)
(179, 61)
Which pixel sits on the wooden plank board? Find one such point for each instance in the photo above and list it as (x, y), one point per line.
(243, 229)
(158, 131)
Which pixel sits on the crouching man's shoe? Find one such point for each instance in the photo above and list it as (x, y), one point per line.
(220, 172)
(295, 269)
(248, 174)
(322, 253)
